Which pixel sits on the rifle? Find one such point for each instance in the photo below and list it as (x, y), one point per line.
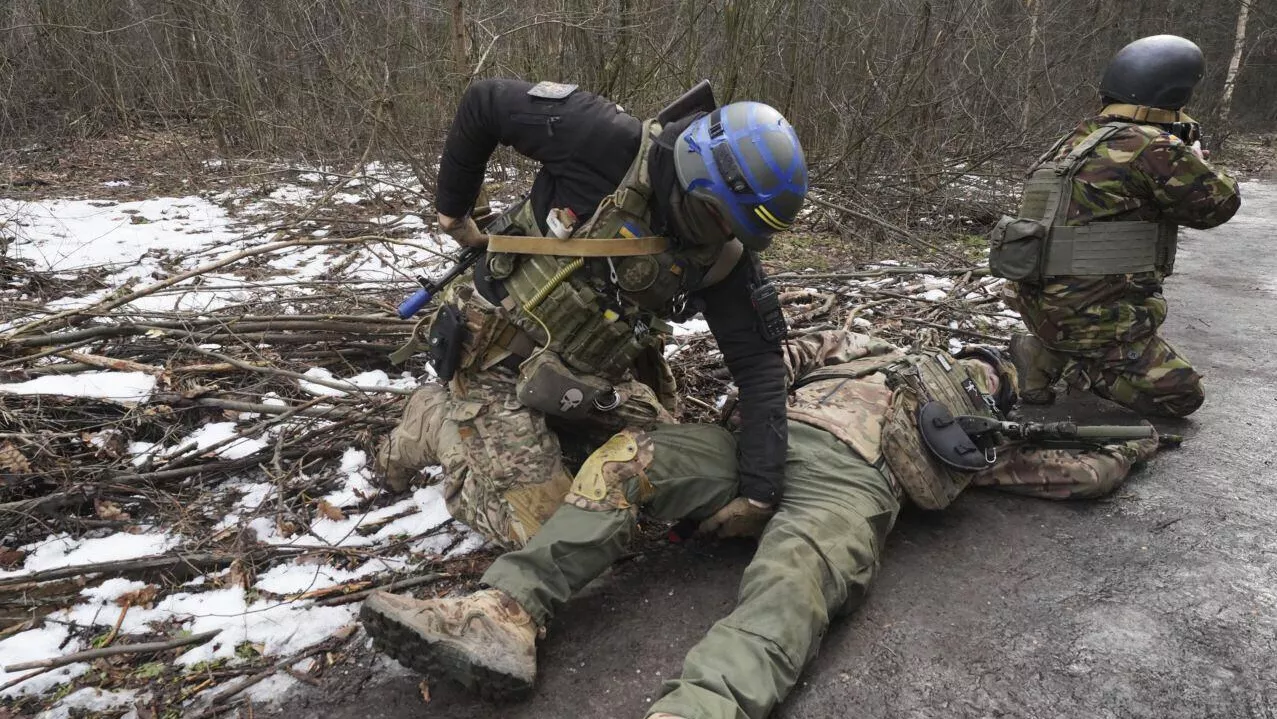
(1060, 434)
(699, 99)
(430, 288)
(486, 220)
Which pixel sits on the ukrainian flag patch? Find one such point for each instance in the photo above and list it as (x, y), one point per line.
(629, 230)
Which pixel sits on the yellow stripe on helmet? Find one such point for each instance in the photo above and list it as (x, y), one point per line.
(767, 217)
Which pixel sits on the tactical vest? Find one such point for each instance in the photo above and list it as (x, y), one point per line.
(1038, 244)
(872, 404)
(599, 313)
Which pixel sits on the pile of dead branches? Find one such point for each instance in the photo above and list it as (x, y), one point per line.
(908, 306)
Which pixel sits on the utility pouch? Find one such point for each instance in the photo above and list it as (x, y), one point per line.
(547, 385)
(1017, 249)
(448, 334)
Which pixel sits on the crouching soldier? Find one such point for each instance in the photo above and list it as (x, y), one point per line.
(562, 326)
(1096, 236)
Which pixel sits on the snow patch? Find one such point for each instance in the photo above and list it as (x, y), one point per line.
(51, 640)
(363, 382)
(112, 589)
(61, 550)
(211, 434)
(288, 579)
(90, 699)
(694, 326)
(71, 234)
(121, 387)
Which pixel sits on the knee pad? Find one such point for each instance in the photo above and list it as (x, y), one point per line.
(615, 475)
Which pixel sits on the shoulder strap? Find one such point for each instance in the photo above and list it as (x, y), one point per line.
(1060, 192)
(1068, 166)
(1046, 156)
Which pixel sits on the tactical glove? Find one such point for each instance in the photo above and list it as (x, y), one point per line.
(463, 230)
(742, 517)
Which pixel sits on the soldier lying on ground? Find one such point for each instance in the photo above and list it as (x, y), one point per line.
(855, 454)
(1096, 235)
(628, 224)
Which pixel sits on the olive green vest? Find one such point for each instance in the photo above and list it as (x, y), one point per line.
(1038, 244)
(598, 314)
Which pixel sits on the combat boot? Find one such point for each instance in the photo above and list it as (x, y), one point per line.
(1038, 367)
(485, 641)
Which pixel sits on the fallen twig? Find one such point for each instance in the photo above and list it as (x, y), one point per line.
(883, 272)
(952, 330)
(391, 587)
(45, 665)
(217, 703)
(898, 231)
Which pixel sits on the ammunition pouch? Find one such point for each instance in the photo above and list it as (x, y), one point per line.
(1017, 248)
(547, 385)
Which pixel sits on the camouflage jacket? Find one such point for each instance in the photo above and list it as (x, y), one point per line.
(852, 411)
(856, 411)
(1145, 173)
(1140, 173)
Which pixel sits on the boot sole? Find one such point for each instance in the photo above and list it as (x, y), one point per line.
(440, 659)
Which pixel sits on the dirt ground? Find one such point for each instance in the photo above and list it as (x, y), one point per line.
(1158, 602)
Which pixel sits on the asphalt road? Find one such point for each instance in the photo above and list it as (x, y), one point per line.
(1158, 602)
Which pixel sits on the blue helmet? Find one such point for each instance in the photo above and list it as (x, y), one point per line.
(744, 160)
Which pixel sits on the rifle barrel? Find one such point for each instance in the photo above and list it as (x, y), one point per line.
(1116, 431)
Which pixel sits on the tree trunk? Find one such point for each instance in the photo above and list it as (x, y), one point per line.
(1034, 9)
(1234, 65)
(460, 49)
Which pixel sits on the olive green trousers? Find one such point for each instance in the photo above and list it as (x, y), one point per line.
(815, 560)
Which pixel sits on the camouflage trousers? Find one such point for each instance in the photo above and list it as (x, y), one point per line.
(503, 464)
(815, 561)
(1111, 349)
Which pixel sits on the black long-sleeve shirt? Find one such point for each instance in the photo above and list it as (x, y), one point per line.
(585, 144)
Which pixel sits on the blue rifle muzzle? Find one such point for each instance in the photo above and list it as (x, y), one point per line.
(413, 304)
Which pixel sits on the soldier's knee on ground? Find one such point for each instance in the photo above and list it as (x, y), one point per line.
(411, 445)
(1152, 378)
(615, 475)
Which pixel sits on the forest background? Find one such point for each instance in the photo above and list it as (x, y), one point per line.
(894, 99)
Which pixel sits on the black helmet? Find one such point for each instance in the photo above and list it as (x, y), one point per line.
(1156, 71)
